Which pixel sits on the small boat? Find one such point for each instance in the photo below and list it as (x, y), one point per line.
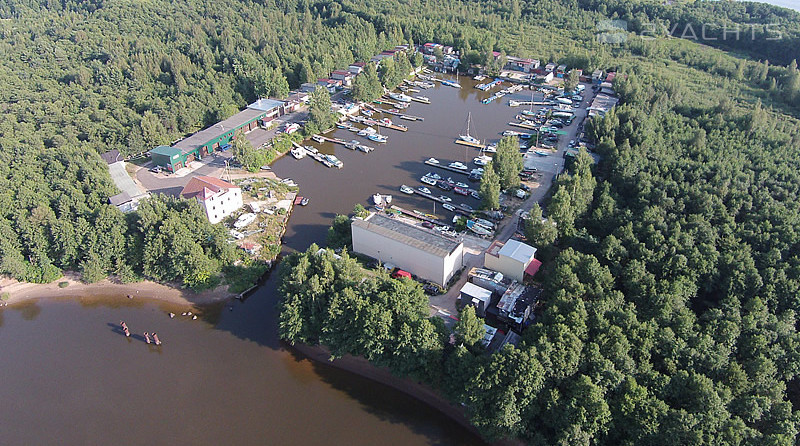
(386, 121)
(302, 201)
(445, 198)
(451, 83)
(433, 175)
(449, 207)
(351, 145)
(431, 161)
(401, 105)
(377, 199)
(365, 149)
(424, 99)
(298, 153)
(458, 165)
(334, 161)
(367, 112)
(460, 190)
(467, 137)
(485, 223)
(311, 149)
(443, 185)
(466, 207)
(424, 190)
(541, 152)
(474, 194)
(342, 125)
(400, 97)
(367, 131)
(406, 190)
(490, 149)
(428, 180)
(393, 111)
(318, 138)
(478, 229)
(482, 160)
(460, 184)
(408, 117)
(377, 138)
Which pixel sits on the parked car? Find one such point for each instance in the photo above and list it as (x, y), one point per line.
(156, 169)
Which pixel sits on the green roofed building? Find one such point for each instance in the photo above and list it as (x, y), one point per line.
(170, 158)
(217, 136)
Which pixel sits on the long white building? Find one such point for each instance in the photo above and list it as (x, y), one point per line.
(424, 253)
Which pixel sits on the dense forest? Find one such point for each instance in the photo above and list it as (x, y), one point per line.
(671, 281)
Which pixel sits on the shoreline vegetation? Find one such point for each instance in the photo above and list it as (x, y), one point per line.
(14, 292)
(417, 390)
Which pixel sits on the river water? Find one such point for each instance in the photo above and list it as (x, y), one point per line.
(67, 376)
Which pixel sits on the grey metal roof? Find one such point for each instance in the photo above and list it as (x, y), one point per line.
(408, 234)
(206, 135)
(265, 105)
(123, 181)
(518, 251)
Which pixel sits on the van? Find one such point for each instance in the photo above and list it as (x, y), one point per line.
(399, 273)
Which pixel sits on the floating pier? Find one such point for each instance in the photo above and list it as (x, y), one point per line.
(524, 125)
(476, 145)
(442, 166)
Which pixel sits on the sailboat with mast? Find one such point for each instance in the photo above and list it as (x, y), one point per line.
(467, 137)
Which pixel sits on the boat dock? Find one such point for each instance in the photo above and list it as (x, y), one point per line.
(524, 125)
(418, 215)
(442, 166)
(368, 121)
(476, 145)
(490, 85)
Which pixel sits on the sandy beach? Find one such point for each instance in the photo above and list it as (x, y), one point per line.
(19, 292)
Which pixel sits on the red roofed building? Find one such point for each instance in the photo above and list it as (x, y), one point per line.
(218, 198)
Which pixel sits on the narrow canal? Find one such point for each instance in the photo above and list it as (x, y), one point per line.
(67, 377)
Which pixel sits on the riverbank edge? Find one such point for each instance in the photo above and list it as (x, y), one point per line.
(421, 392)
(21, 292)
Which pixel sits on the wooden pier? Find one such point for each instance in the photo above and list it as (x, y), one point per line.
(476, 145)
(442, 166)
(370, 121)
(524, 125)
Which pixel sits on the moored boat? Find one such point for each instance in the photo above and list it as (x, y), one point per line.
(449, 207)
(428, 180)
(424, 190)
(377, 137)
(406, 190)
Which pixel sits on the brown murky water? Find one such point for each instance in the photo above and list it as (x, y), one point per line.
(68, 377)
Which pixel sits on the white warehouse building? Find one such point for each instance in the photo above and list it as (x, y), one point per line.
(423, 253)
(514, 259)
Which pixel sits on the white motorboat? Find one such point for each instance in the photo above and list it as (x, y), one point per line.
(406, 190)
(298, 153)
(428, 180)
(458, 165)
(424, 190)
(445, 198)
(377, 137)
(400, 97)
(449, 207)
(367, 131)
(433, 175)
(482, 160)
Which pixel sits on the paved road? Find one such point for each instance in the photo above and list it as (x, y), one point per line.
(548, 166)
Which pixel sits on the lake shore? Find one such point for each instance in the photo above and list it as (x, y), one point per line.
(419, 391)
(19, 292)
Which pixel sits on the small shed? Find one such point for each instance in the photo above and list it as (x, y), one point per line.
(478, 297)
